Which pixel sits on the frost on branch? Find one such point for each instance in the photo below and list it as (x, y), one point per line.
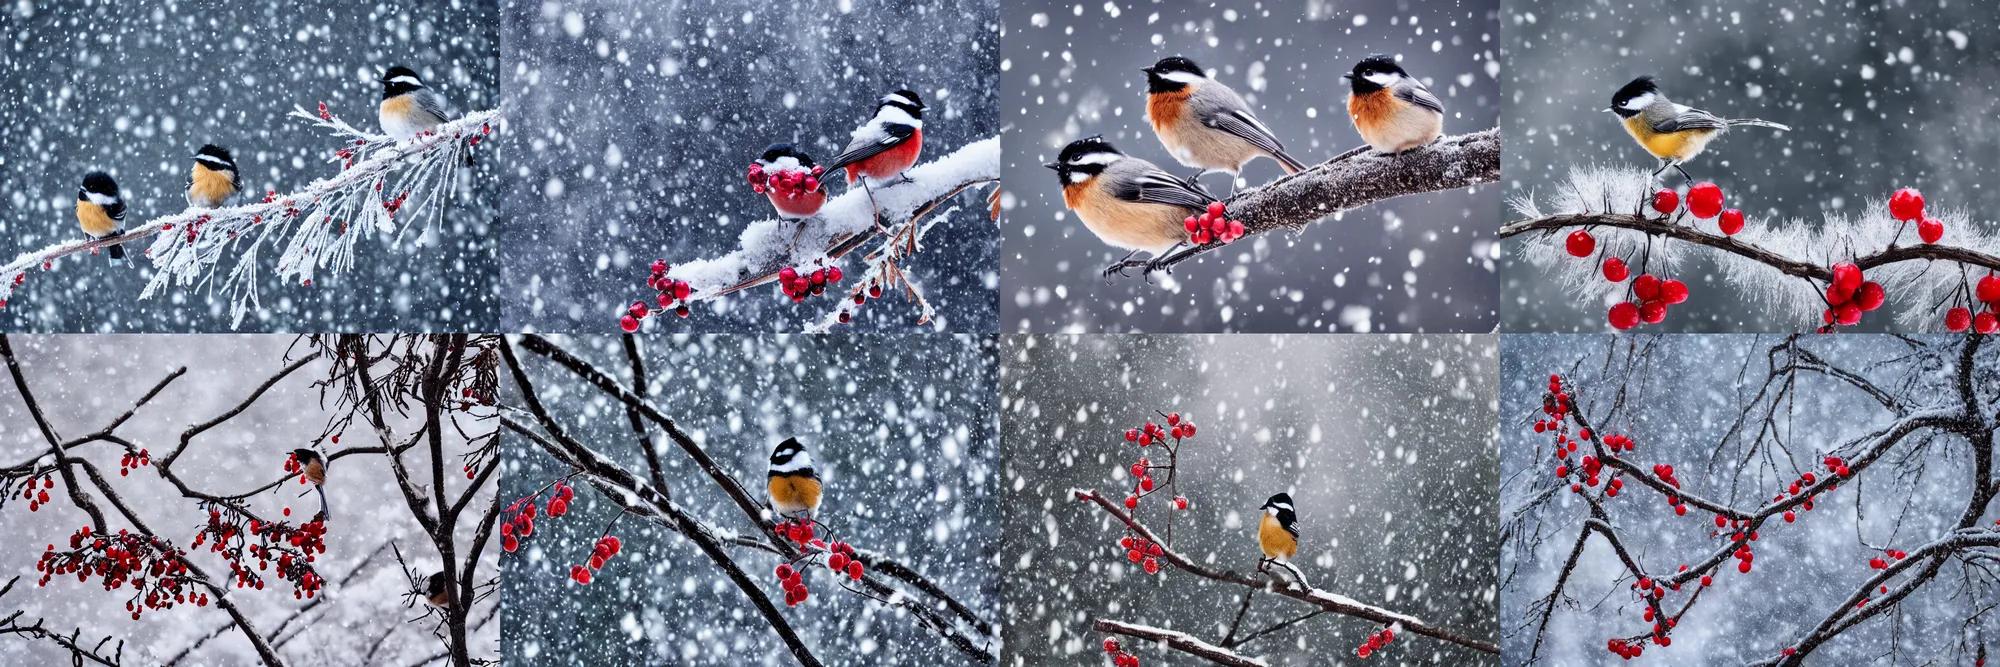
(907, 211)
(1783, 267)
(381, 188)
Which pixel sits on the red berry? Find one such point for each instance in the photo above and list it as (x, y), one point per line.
(1152, 566)
(1216, 208)
(1743, 567)
(1790, 517)
(1732, 221)
(1706, 580)
(1986, 323)
(1187, 430)
(1111, 646)
(1132, 435)
(1665, 201)
(628, 323)
(1615, 271)
(1988, 289)
(1705, 200)
(1180, 502)
(1930, 229)
(1624, 316)
(1906, 205)
(1847, 276)
(1646, 287)
(1870, 296)
(1580, 243)
(1878, 564)
(1674, 292)
(854, 570)
(1131, 502)
(1653, 312)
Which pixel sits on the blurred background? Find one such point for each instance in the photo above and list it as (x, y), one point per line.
(1681, 395)
(1384, 442)
(1419, 263)
(1879, 96)
(634, 122)
(84, 382)
(901, 433)
(134, 90)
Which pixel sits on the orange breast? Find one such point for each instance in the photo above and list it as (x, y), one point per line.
(1371, 111)
(889, 163)
(1164, 109)
(93, 220)
(210, 187)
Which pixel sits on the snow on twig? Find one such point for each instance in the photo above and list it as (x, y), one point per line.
(382, 188)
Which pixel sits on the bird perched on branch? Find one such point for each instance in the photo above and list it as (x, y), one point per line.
(1674, 133)
(312, 468)
(1126, 201)
(212, 179)
(888, 143)
(1393, 111)
(1278, 532)
(408, 107)
(793, 484)
(99, 209)
(1204, 124)
(794, 199)
(435, 593)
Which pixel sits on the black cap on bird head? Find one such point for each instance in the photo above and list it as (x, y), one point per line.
(1172, 74)
(1088, 156)
(1634, 97)
(215, 157)
(98, 183)
(905, 100)
(776, 151)
(399, 80)
(1374, 73)
(305, 455)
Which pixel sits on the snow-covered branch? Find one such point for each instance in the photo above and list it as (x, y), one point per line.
(382, 187)
(1179, 641)
(1323, 599)
(899, 214)
(1783, 266)
(1359, 178)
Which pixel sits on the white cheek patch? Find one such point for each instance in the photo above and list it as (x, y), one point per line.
(411, 80)
(1639, 102)
(1281, 507)
(799, 461)
(1078, 177)
(1384, 79)
(898, 116)
(1095, 158)
(100, 199)
(214, 162)
(1178, 76)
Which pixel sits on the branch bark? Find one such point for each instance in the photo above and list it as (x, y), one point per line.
(1666, 228)
(1358, 179)
(1179, 641)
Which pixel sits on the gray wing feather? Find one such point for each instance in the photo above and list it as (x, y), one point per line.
(1242, 124)
(1154, 186)
(432, 104)
(1690, 119)
(1416, 93)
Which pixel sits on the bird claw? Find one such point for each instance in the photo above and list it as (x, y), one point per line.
(1119, 267)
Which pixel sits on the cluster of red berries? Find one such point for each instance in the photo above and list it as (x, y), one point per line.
(1879, 564)
(37, 497)
(1627, 649)
(1906, 206)
(1212, 226)
(1986, 297)
(132, 461)
(1849, 295)
(1143, 551)
(1376, 642)
(799, 285)
(600, 554)
(156, 571)
(672, 295)
(291, 548)
(1151, 432)
(1652, 296)
(1666, 474)
(838, 556)
(1119, 658)
(521, 515)
(788, 183)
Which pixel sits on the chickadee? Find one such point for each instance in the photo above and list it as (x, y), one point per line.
(1674, 133)
(792, 203)
(408, 107)
(313, 467)
(1278, 532)
(212, 179)
(1126, 201)
(794, 485)
(99, 209)
(434, 590)
(1204, 124)
(1393, 111)
(888, 143)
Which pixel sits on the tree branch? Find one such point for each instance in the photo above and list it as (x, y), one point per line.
(1666, 227)
(1179, 641)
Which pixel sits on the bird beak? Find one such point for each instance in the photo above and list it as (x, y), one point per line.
(1609, 110)
(1054, 165)
(1149, 70)
(1349, 76)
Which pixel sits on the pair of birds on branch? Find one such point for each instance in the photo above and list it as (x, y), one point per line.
(1133, 204)
(408, 108)
(880, 150)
